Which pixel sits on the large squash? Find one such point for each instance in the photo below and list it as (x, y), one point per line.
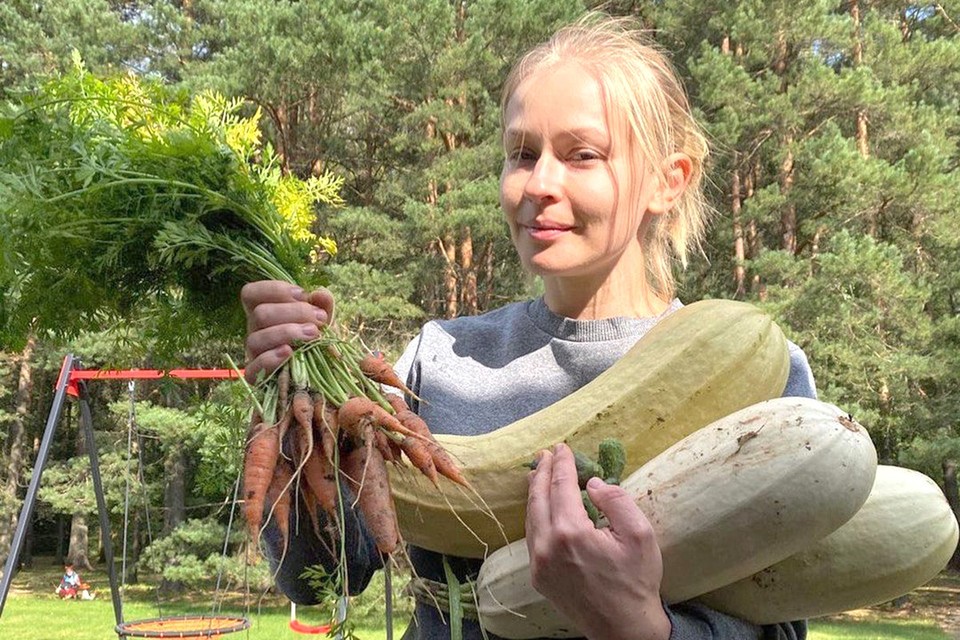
(746, 491)
(701, 363)
(902, 537)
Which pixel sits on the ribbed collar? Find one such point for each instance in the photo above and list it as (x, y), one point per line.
(564, 328)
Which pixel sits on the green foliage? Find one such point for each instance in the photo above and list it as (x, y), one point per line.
(868, 347)
(121, 198)
(37, 39)
(927, 453)
(193, 553)
(221, 425)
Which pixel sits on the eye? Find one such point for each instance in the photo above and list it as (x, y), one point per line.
(581, 156)
(521, 154)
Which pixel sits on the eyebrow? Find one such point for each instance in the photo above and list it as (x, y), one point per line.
(592, 135)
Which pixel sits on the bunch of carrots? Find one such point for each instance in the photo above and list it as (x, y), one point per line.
(155, 206)
(326, 417)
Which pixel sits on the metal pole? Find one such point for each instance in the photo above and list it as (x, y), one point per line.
(29, 501)
(87, 422)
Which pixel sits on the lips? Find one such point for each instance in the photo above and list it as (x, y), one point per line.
(545, 230)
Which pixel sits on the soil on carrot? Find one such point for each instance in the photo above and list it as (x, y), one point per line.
(938, 600)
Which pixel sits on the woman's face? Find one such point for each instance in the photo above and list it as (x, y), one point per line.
(567, 189)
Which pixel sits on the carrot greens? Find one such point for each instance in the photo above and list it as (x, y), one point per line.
(120, 197)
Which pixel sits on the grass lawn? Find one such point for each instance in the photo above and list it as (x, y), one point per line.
(876, 630)
(43, 618)
(33, 612)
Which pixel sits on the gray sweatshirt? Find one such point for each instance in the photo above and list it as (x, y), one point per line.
(480, 373)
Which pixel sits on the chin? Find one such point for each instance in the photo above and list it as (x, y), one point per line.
(539, 266)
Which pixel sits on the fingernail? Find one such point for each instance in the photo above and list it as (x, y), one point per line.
(321, 316)
(298, 294)
(595, 483)
(557, 448)
(310, 331)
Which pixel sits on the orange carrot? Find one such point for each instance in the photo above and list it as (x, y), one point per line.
(419, 454)
(376, 367)
(367, 471)
(319, 475)
(302, 410)
(279, 499)
(442, 460)
(407, 417)
(358, 411)
(445, 464)
(382, 443)
(283, 387)
(260, 459)
(326, 423)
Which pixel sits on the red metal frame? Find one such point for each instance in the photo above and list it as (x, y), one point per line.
(144, 374)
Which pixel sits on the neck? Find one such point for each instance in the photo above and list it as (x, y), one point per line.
(617, 293)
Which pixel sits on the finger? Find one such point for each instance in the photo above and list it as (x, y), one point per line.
(279, 335)
(267, 362)
(538, 496)
(618, 506)
(262, 291)
(324, 299)
(566, 503)
(270, 314)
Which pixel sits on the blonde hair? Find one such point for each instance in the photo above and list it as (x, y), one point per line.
(640, 86)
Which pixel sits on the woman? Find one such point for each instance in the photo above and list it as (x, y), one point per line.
(601, 191)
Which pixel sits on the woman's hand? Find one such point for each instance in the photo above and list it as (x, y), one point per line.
(606, 581)
(279, 314)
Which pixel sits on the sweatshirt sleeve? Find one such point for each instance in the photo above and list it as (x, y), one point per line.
(693, 621)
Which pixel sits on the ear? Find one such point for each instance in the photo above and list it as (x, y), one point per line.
(677, 169)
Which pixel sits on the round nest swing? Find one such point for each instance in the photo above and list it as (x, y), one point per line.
(183, 627)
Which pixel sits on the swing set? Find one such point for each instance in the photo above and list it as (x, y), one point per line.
(72, 381)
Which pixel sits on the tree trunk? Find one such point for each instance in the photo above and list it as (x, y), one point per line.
(788, 215)
(133, 550)
(61, 532)
(488, 279)
(175, 491)
(174, 502)
(953, 498)
(750, 178)
(15, 452)
(79, 551)
(449, 248)
(739, 248)
(468, 291)
(862, 134)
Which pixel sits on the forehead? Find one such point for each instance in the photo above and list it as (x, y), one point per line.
(561, 97)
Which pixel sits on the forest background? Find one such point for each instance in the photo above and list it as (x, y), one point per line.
(834, 176)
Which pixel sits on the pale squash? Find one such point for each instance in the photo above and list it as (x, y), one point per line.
(747, 491)
(902, 537)
(702, 362)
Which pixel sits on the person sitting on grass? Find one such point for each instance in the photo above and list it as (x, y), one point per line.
(71, 586)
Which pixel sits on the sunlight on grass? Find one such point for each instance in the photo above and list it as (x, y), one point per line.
(34, 612)
(42, 618)
(876, 630)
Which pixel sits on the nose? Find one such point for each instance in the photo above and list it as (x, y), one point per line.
(544, 182)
